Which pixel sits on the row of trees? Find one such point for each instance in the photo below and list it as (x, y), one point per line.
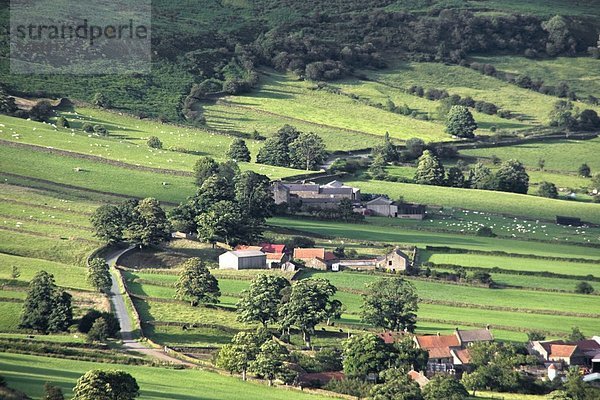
(566, 115)
(292, 148)
(511, 176)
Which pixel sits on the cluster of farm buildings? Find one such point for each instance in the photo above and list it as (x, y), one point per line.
(311, 195)
(448, 354)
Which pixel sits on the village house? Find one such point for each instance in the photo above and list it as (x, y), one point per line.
(450, 353)
(243, 259)
(384, 207)
(394, 261)
(581, 353)
(317, 258)
(312, 194)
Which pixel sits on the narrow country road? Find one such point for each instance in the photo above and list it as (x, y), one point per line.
(118, 302)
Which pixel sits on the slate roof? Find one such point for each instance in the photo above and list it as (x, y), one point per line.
(475, 335)
(380, 201)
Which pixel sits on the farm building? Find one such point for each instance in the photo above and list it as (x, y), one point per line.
(384, 207)
(312, 194)
(243, 259)
(450, 353)
(275, 260)
(358, 265)
(315, 258)
(394, 261)
(581, 353)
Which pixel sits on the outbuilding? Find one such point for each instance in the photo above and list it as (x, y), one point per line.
(243, 259)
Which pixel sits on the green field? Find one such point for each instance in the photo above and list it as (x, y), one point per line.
(559, 155)
(532, 106)
(580, 73)
(512, 263)
(344, 124)
(374, 231)
(532, 207)
(29, 373)
(126, 142)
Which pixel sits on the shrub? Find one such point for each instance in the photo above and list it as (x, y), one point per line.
(62, 122)
(548, 189)
(87, 321)
(584, 288)
(100, 130)
(87, 127)
(154, 142)
(485, 231)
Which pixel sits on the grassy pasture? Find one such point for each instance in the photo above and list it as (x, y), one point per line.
(72, 276)
(95, 176)
(465, 221)
(532, 207)
(284, 96)
(29, 373)
(533, 106)
(438, 291)
(512, 263)
(476, 317)
(127, 140)
(559, 155)
(10, 314)
(580, 73)
(376, 232)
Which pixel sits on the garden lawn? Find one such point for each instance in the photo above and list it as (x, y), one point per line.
(29, 373)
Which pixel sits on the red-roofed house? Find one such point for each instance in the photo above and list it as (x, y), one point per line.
(563, 352)
(316, 258)
(450, 353)
(272, 248)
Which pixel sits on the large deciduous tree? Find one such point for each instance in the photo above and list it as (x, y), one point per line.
(307, 305)
(269, 362)
(481, 177)
(107, 223)
(204, 168)
(365, 354)
(444, 387)
(512, 177)
(460, 122)
(253, 194)
(261, 301)
(397, 385)
(237, 356)
(98, 275)
(196, 283)
(149, 226)
(46, 308)
(307, 151)
(391, 303)
(226, 222)
(106, 385)
(430, 170)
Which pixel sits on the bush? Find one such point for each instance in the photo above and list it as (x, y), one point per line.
(87, 127)
(100, 130)
(61, 122)
(87, 321)
(548, 190)
(154, 142)
(353, 387)
(584, 288)
(485, 231)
